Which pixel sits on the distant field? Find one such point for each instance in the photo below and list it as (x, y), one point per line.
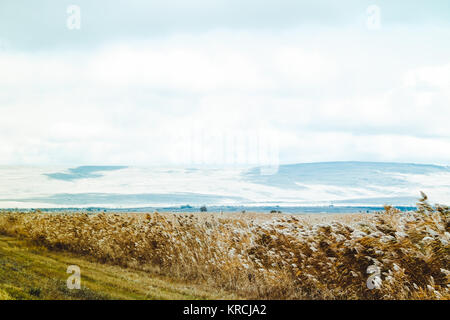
(248, 255)
(225, 209)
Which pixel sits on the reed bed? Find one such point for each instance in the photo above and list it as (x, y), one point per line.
(278, 257)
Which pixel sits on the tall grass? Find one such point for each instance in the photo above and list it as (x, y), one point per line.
(277, 258)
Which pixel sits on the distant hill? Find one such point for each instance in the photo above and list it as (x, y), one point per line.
(357, 182)
(306, 184)
(351, 173)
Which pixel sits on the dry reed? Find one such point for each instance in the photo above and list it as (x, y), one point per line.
(277, 258)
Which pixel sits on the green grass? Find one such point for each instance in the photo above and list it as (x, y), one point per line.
(31, 272)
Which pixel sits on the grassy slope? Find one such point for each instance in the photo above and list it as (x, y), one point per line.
(30, 272)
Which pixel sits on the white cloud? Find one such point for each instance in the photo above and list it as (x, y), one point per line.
(429, 77)
(139, 103)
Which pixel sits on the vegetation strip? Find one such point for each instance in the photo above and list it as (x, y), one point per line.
(279, 257)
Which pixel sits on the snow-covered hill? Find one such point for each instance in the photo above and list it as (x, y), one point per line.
(307, 184)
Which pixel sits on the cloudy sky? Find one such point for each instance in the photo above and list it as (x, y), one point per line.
(215, 81)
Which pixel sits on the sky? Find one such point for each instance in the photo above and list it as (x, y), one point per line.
(223, 82)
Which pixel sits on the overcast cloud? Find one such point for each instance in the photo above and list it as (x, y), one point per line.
(170, 82)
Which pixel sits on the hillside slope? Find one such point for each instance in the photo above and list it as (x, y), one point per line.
(31, 272)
